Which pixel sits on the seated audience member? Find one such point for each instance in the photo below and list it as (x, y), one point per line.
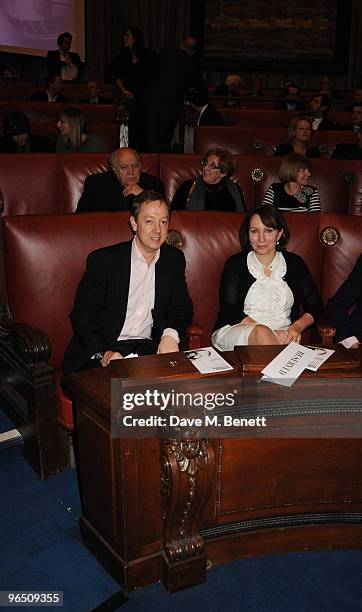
(356, 124)
(299, 133)
(94, 95)
(230, 89)
(52, 93)
(293, 192)
(133, 296)
(292, 101)
(263, 288)
(117, 188)
(64, 62)
(213, 189)
(326, 87)
(350, 150)
(204, 113)
(348, 324)
(73, 136)
(256, 89)
(318, 111)
(357, 100)
(18, 137)
(7, 73)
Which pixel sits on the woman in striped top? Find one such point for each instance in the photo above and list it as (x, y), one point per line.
(293, 192)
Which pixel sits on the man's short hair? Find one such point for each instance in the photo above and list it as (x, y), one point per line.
(63, 36)
(325, 100)
(291, 165)
(148, 195)
(16, 123)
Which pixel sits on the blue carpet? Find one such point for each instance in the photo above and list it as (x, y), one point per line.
(42, 550)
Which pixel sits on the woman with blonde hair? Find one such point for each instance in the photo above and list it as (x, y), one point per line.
(293, 192)
(73, 136)
(299, 133)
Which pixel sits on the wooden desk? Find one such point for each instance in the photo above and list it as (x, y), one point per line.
(159, 509)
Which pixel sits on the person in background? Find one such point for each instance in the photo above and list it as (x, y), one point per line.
(18, 137)
(230, 89)
(213, 189)
(344, 309)
(94, 94)
(133, 297)
(73, 136)
(52, 93)
(299, 134)
(318, 112)
(263, 288)
(204, 112)
(256, 89)
(356, 113)
(64, 62)
(357, 100)
(326, 88)
(117, 188)
(293, 192)
(292, 101)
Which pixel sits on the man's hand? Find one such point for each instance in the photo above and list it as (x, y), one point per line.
(167, 345)
(132, 189)
(109, 356)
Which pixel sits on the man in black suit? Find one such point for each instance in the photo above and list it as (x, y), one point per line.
(292, 101)
(53, 85)
(205, 113)
(350, 150)
(356, 125)
(318, 111)
(94, 94)
(133, 296)
(64, 62)
(116, 189)
(349, 295)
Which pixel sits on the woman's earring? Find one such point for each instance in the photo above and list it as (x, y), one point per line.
(277, 242)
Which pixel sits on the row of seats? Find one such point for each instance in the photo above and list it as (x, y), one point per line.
(263, 141)
(94, 113)
(50, 183)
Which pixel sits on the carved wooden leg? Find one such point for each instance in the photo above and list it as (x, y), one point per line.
(186, 466)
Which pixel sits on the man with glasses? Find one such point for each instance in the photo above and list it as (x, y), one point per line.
(116, 189)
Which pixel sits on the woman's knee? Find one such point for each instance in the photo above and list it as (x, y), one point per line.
(262, 334)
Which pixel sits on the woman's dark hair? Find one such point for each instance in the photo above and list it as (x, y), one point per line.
(137, 34)
(271, 217)
(16, 123)
(227, 161)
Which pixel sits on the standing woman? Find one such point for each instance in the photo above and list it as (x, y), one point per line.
(264, 287)
(299, 135)
(73, 136)
(294, 193)
(132, 70)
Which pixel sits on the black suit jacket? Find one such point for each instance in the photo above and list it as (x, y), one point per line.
(100, 100)
(211, 116)
(349, 295)
(347, 151)
(101, 301)
(54, 64)
(42, 96)
(104, 192)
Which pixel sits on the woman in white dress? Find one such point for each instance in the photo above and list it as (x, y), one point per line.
(264, 288)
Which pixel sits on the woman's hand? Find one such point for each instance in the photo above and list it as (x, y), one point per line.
(294, 333)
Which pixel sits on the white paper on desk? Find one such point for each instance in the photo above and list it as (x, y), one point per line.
(207, 360)
(130, 355)
(320, 356)
(286, 367)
